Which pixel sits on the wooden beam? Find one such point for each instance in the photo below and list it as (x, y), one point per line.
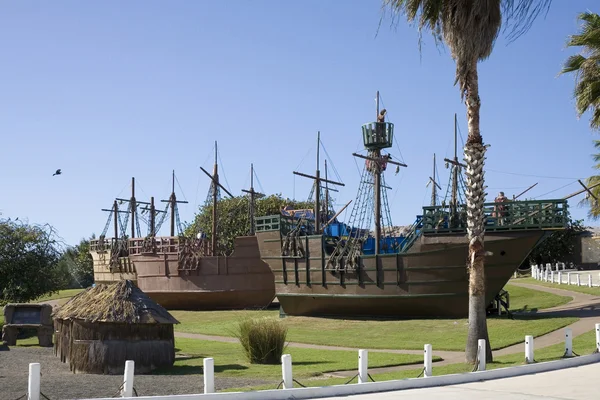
(455, 162)
(524, 191)
(319, 179)
(137, 201)
(374, 159)
(588, 190)
(580, 191)
(215, 181)
(435, 183)
(330, 189)
(371, 183)
(336, 215)
(257, 194)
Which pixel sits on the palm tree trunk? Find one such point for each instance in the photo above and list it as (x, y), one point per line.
(475, 156)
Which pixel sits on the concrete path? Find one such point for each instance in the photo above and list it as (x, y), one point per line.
(579, 383)
(583, 306)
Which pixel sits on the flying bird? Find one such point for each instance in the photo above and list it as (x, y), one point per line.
(58, 172)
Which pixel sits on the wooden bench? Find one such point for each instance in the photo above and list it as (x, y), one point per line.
(28, 316)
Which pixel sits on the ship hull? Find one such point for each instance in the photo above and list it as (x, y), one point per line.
(428, 281)
(239, 281)
(104, 274)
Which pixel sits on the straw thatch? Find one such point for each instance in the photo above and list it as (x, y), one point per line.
(120, 302)
(102, 327)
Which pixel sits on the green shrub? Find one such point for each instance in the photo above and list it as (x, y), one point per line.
(263, 340)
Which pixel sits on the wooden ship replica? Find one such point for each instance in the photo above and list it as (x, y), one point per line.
(323, 267)
(183, 272)
(111, 255)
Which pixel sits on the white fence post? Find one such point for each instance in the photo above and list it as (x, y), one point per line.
(33, 386)
(363, 366)
(568, 342)
(208, 371)
(590, 280)
(127, 390)
(286, 371)
(545, 275)
(598, 337)
(529, 349)
(427, 361)
(552, 276)
(568, 278)
(578, 280)
(481, 351)
(559, 277)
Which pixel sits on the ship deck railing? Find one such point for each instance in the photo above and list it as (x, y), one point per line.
(168, 244)
(505, 216)
(514, 215)
(106, 244)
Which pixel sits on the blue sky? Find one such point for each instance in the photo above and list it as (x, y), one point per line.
(110, 90)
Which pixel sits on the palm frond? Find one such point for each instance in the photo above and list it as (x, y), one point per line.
(519, 15)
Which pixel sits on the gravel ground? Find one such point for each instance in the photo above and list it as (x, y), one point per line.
(60, 383)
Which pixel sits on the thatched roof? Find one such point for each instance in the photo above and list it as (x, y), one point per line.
(120, 302)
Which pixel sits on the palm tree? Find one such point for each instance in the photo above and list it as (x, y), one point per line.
(470, 28)
(587, 89)
(587, 69)
(589, 201)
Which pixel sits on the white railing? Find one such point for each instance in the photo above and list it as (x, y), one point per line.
(556, 273)
(363, 385)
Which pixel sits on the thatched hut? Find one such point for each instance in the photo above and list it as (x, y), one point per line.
(102, 327)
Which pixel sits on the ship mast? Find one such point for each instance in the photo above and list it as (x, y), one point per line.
(215, 185)
(435, 185)
(173, 204)
(456, 167)
(318, 181)
(375, 140)
(253, 196)
(377, 155)
(326, 194)
(134, 203)
(115, 210)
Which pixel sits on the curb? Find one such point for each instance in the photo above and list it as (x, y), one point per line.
(375, 387)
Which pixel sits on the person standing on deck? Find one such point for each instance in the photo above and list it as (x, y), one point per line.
(499, 208)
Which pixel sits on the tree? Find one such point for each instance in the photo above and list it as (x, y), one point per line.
(29, 256)
(559, 245)
(233, 217)
(586, 67)
(79, 265)
(589, 201)
(470, 28)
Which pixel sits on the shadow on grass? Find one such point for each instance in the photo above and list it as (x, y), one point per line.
(309, 362)
(196, 369)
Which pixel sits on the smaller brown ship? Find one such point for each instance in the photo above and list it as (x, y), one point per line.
(111, 255)
(183, 272)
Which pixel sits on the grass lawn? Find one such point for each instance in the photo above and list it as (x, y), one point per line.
(230, 360)
(62, 294)
(582, 345)
(594, 291)
(524, 300)
(444, 334)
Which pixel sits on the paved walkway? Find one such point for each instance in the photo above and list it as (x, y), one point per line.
(579, 383)
(584, 306)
